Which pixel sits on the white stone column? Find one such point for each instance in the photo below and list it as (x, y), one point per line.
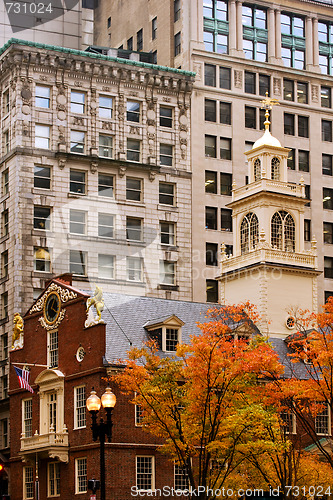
(278, 34)
(308, 44)
(271, 35)
(232, 28)
(239, 28)
(315, 42)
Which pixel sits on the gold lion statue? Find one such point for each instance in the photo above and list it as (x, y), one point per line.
(18, 329)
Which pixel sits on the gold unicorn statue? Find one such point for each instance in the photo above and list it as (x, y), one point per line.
(96, 301)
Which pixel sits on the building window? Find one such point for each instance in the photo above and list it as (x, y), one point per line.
(289, 124)
(133, 189)
(210, 75)
(167, 273)
(210, 110)
(288, 90)
(42, 177)
(105, 146)
(283, 231)
(225, 78)
(215, 26)
(4, 264)
(307, 230)
(4, 382)
(323, 420)
(255, 36)
(133, 150)
(325, 94)
(6, 139)
(177, 42)
(210, 182)
(154, 28)
(133, 229)
(325, 36)
(145, 480)
(307, 194)
(106, 266)
(42, 260)
(4, 433)
(77, 102)
(80, 475)
(105, 109)
(133, 111)
(42, 96)
(77, 182)
(42, 218)
(176, 10)
(42, 136)
(106, 185)
(226, 184)
(5, 182)
(77, 262)
(293, 41)
(289, 422)
(327, 164)
(77, 222)
(166, 193)
(28, 483)
(250, 117)
(139, 40)
(27, 417)
(181, 479)
(165, 117)
(328, 267)
(80, 407)
(303, 161)
(210, 146)
(302, 92)
(303, 126)
(212, 291)
(167, 233)
(134, 268)
(226, 219)
(5, 222)
(225, 113)
(166, 154)
(106, 225)
(250, 83)
(155, 57)
(328, 232)
(249, 232)
(211, 254)
(130, 44)
(264, 84)
(138, 415)
(108, 23)
(78, 140)
(211, 218)
(6, 102)
(326, 130)
(291, 160)
(53, 363)
(225, 148)
(53, 479)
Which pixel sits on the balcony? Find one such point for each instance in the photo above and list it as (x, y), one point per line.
(51, 445)
(286, 188)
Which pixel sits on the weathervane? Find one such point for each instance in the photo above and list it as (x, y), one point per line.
(268, 104)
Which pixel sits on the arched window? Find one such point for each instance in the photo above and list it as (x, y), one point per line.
(249, 232)
(283, 231)
(257, 170)
(275, 169)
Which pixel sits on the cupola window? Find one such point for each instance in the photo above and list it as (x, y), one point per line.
(249, 232)
(283, 231)
(257, 170)
(275, 169)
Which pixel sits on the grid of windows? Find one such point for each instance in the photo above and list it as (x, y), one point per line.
(54, 479)
(322, 420)
(283, 231)
(80, 407)
(27, 417)
(216, 27)
(53, 349)
(255, 36)
(181, 479)
(138, 415)
(28, 483)
(293, 41)
(288, 421)
(325, 37)
(80, 475)
(144, 473)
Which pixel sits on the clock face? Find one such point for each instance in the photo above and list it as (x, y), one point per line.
(52, 308)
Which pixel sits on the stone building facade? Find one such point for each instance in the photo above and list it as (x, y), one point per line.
(240, 51)
(96, 178)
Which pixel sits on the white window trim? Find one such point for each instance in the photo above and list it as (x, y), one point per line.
(329, 421)
(152, 469)
(51, 381)
(173, 327)
(77, 477)
(23, 419)
(48, 479)
(293, 422)
(25, 497)
(76, 426)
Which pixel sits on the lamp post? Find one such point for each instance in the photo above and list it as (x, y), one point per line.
(102, 429)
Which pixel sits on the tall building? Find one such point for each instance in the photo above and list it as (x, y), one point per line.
(239, 51)
(96, 179)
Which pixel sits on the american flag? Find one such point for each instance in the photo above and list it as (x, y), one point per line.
(23, 376)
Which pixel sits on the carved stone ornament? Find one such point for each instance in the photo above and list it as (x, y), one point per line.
(18, 332)
(98, 303)
(61, 163)
(238, 75)
(54, 325)
(93, 167)
(26, 93)
(122, 171)
(107, 126)
(277, 86)
(314, 93)
(65, 296)
(152, 175)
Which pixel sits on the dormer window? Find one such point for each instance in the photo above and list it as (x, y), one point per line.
(166, 332)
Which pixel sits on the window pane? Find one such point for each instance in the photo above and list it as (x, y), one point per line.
(225, 78)
(210, 110)
(210, 182)
(210, 75)
(105, 185)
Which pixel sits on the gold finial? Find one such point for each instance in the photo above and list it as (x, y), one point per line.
(268, 104)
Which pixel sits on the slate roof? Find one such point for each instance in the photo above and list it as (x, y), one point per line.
(292, 370)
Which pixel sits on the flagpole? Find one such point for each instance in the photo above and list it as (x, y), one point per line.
(28, 364)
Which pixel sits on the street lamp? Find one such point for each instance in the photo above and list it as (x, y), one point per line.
(102, 429)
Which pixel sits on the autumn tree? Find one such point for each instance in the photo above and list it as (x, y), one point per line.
(195, 401)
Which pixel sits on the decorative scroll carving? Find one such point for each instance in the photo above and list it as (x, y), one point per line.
(54, 325)
(65, 296)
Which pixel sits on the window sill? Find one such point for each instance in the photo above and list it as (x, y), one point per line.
(169, 248)
(4, 238)
(76, 195)
(4, 197)
(173, 288)
(4, 279)
(167, 208)
(4, 320)
(42, 191)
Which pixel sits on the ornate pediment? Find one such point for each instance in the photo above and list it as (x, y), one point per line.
(65, 294)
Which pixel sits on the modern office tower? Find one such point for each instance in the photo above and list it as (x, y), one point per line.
(96, 178)
(65, 24)
(239, 51)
